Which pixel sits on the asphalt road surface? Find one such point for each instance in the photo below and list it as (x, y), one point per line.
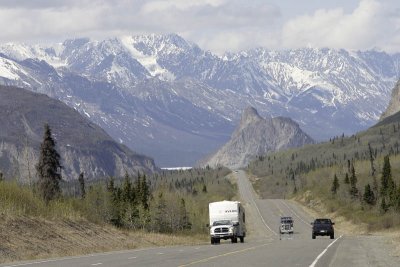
(263, 246)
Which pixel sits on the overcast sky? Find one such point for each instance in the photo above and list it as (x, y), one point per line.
(216, 25)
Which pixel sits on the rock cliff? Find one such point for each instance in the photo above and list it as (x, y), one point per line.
(256, 136)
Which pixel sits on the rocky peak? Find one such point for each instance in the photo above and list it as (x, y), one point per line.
(249, 115)
(394, 104)
(257, 136)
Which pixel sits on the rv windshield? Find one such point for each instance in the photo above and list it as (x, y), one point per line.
(222, 222)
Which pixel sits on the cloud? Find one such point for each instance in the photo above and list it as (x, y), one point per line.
(202, 21)
(368, 26)
(216, 25)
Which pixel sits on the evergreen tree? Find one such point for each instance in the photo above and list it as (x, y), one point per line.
(204, 188)
(353, 183)
(115, 195)
(160, 220)
(127, 190)
(81, 181)
(145, 193)
(386, 176)
(369, 196)
(388, 186)
(371, 159)
(397, 204)
(335, 185)
(49, 167)
(184, 223)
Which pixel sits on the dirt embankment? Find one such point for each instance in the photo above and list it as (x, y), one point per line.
(25, 238)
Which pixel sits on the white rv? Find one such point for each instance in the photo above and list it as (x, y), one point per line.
(227, 221)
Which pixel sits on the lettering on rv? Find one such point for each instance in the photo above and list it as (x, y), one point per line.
(228, 211)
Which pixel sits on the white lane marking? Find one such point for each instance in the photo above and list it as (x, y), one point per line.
(307, 223)
(130, 258)
(160, 253)
(224, 255)
(262, 218)
(78, 257)
(247, 184)
(323, 252)
(95, 264)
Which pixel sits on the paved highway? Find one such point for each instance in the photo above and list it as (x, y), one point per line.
(262, 247)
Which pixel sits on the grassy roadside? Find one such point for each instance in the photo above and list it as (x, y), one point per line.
(71, 225)
(28, 238)
(351, 217)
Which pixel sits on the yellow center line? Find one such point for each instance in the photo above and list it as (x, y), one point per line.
(223, 255)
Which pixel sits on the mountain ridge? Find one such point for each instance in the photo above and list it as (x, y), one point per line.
(326, 91)
(83, 146)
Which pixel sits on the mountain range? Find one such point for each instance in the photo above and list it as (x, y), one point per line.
(82, 145)
(167, 98)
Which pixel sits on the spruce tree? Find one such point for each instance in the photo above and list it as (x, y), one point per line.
(386, 177)
(184, 223)
(145, 193)
(371, 159)
(81, 181)
(127, 189)
(204, 188)
(335, 185)
(353, 183)
(49, 167)
(369, 196)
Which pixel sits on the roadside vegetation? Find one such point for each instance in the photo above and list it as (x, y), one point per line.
(356, 177)
(169, 203)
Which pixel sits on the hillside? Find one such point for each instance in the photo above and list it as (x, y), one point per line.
(83, 146)
(255, 136)
(308, 173)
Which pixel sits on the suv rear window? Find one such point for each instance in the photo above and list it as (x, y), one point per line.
(322, 221)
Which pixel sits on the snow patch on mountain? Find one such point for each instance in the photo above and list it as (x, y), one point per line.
(147, 89)
(8, 69)
(149, 61)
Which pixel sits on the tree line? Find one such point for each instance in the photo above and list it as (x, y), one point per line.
(167, 202)
(386, 193)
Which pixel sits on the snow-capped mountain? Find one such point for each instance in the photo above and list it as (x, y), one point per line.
(169, 99)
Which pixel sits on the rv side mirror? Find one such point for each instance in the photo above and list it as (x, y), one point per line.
(333, 223)
(207, 225)
(236, 224)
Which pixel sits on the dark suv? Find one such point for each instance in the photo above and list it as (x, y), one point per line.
(323, 227)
